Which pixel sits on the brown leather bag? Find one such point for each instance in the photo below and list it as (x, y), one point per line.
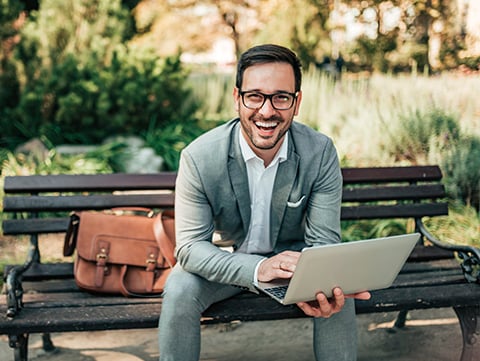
(128, 254)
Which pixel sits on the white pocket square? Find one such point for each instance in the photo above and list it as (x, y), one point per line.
(296, 204)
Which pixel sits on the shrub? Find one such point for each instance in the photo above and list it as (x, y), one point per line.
(79, 80)
(170, 140)
(462, 170)
(421, 136)
(84, 103)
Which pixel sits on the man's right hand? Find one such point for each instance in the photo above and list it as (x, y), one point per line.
(281, 265)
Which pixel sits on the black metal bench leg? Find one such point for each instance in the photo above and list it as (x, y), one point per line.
(401, 319)
(399, 322)
(19, 343)
(469, 318)
(48, 345)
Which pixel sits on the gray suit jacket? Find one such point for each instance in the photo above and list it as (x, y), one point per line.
(212, 195)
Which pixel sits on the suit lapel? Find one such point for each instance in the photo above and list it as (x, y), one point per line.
(238, 176)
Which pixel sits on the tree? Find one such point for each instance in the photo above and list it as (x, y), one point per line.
(11, 19)
(430, 25)
(196, 24)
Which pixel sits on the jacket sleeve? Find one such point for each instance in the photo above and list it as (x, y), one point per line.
(194, 225)
(323, 212)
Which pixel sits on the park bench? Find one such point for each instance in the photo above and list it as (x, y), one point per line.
(41, 297)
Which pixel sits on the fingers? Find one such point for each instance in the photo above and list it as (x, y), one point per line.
(324, 307)
(360, 295)
(279, 266)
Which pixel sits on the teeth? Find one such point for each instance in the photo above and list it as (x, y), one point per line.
(266, 125)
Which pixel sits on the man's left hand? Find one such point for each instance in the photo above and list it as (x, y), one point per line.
(324, 307)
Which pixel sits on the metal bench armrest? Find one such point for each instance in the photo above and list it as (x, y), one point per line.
(469, 255)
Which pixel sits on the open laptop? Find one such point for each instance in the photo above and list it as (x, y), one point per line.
(357, 266)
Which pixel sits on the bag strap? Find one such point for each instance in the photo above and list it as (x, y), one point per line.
(71, 236)
(164, 230)
(127, 293)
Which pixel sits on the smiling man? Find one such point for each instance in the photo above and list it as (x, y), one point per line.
(269, 186)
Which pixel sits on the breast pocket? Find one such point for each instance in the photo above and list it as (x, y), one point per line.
(297, 203)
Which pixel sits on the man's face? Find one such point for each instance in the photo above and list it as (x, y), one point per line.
(265, 127)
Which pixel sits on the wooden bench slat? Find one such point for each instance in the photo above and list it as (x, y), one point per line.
(42, 271)
(59, 225)
(13, 227)
(81, 202)
(96, 182)
(166, 180)
(394, 211)
(366, 194)
(391, 174)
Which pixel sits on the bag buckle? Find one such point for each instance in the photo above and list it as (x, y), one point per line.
(151, 262)
(102, 256)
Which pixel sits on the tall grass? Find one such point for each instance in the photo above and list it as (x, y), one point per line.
(361, 114)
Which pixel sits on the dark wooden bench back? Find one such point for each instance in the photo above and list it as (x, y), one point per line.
(393, 192)
(369, 193)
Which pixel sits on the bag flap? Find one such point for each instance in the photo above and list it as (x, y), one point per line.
(124, 239)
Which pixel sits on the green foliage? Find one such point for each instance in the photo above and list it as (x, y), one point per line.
(83, 84)
(462, 169)
(461, 226)
(420, 133)
(9, 12)
(9, 84)
(98, 161)
(85, 104)
(364, 229)
(373, 53)
(83, 27)
(170, 140)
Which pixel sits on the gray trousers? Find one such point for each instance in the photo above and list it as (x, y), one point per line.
(187, 295)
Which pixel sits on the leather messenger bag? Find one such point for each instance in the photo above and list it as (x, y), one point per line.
(127, 254)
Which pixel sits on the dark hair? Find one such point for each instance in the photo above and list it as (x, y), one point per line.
(269, 53)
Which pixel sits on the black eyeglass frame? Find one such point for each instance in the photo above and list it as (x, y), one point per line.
(269, 97)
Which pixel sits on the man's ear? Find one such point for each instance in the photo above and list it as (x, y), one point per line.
(297, 102)
(236, 98)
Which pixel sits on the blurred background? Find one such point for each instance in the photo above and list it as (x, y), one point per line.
(101, 86)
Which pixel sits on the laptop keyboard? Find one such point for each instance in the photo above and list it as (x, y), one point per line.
(278, 291)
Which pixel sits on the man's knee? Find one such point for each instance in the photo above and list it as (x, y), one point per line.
(182, 286)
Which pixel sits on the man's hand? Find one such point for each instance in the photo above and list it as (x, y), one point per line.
(281, 265)
(324, 307)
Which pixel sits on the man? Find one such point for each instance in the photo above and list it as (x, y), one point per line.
(270, 186)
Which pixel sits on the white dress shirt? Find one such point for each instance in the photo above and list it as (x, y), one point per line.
(260, 184)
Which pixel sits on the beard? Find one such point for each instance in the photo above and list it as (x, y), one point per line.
(254, 133)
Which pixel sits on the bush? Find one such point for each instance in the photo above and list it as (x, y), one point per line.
(83, 104)
(462, 170)
(79, 81)
(170, 140)
(421, 136)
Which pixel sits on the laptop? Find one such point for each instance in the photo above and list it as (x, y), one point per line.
(357, 266)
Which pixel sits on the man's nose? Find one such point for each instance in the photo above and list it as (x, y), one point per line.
(267, 108)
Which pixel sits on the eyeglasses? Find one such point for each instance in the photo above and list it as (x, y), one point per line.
(280, 101)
